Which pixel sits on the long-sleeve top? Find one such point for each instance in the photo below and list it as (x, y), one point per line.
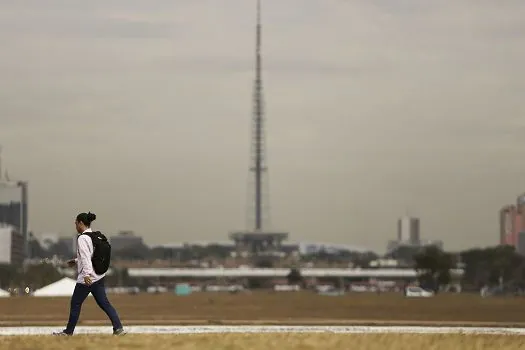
(83, 260)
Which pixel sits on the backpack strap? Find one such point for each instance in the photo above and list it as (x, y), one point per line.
(91, 233)
(84, 234)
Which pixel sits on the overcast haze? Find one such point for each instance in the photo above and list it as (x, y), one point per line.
(140, 111)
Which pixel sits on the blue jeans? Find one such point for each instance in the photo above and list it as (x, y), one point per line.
(80, 294)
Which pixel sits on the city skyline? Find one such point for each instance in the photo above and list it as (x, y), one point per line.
(372, 107)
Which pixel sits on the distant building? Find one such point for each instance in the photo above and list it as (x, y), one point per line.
(408, 230)
(384, 263)
(395, 245)
(408, 235)
(124, 240)
(258, 243)
(517, 226)
(520, 220)
(11, 246)
(180, 246)
(521, 243)
(306, 248)
(520, 200)
(13, 206)
(511, 222)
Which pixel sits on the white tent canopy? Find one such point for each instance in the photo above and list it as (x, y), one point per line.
(4, 294)
(61, 288)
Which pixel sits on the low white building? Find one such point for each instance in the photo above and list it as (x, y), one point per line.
(306, 248)
(61, 288)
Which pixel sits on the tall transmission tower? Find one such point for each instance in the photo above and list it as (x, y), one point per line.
(258, 240)
(258, 127)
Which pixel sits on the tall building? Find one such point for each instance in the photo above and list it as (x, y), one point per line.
(11, 246)
(14, 205)
(520, 248)
(408, 230)
(520, 220)
(258, 240)
(517, 226)
(408, 235)
(507, 216)
(511, 223)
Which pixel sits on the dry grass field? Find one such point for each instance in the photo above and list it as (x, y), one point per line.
(266, 341)
(273, 308)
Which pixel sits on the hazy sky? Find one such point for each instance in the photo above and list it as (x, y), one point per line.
(140, 111)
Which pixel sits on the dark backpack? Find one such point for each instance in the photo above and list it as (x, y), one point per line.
(101, 252)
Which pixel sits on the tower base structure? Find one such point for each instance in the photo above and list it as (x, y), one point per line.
(258, 243)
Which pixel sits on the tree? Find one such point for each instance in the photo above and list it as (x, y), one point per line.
(218, 251)
(504, 261)
(8, 275)
(492, 265)
(433, 266)
(264, 263)
(404, 253)
(363, 259)
(256, 282)
(294, 276)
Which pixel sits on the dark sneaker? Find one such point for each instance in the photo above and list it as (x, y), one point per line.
(119, 331)
(62, 333)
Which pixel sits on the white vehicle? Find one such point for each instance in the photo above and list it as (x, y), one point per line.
(156, 289)
(414, 291)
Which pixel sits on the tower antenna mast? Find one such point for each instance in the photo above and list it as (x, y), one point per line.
(258, 116)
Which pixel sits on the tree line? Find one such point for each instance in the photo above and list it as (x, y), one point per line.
(499, 266)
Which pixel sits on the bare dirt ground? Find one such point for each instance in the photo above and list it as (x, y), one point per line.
(274, 308)
(267, 341)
